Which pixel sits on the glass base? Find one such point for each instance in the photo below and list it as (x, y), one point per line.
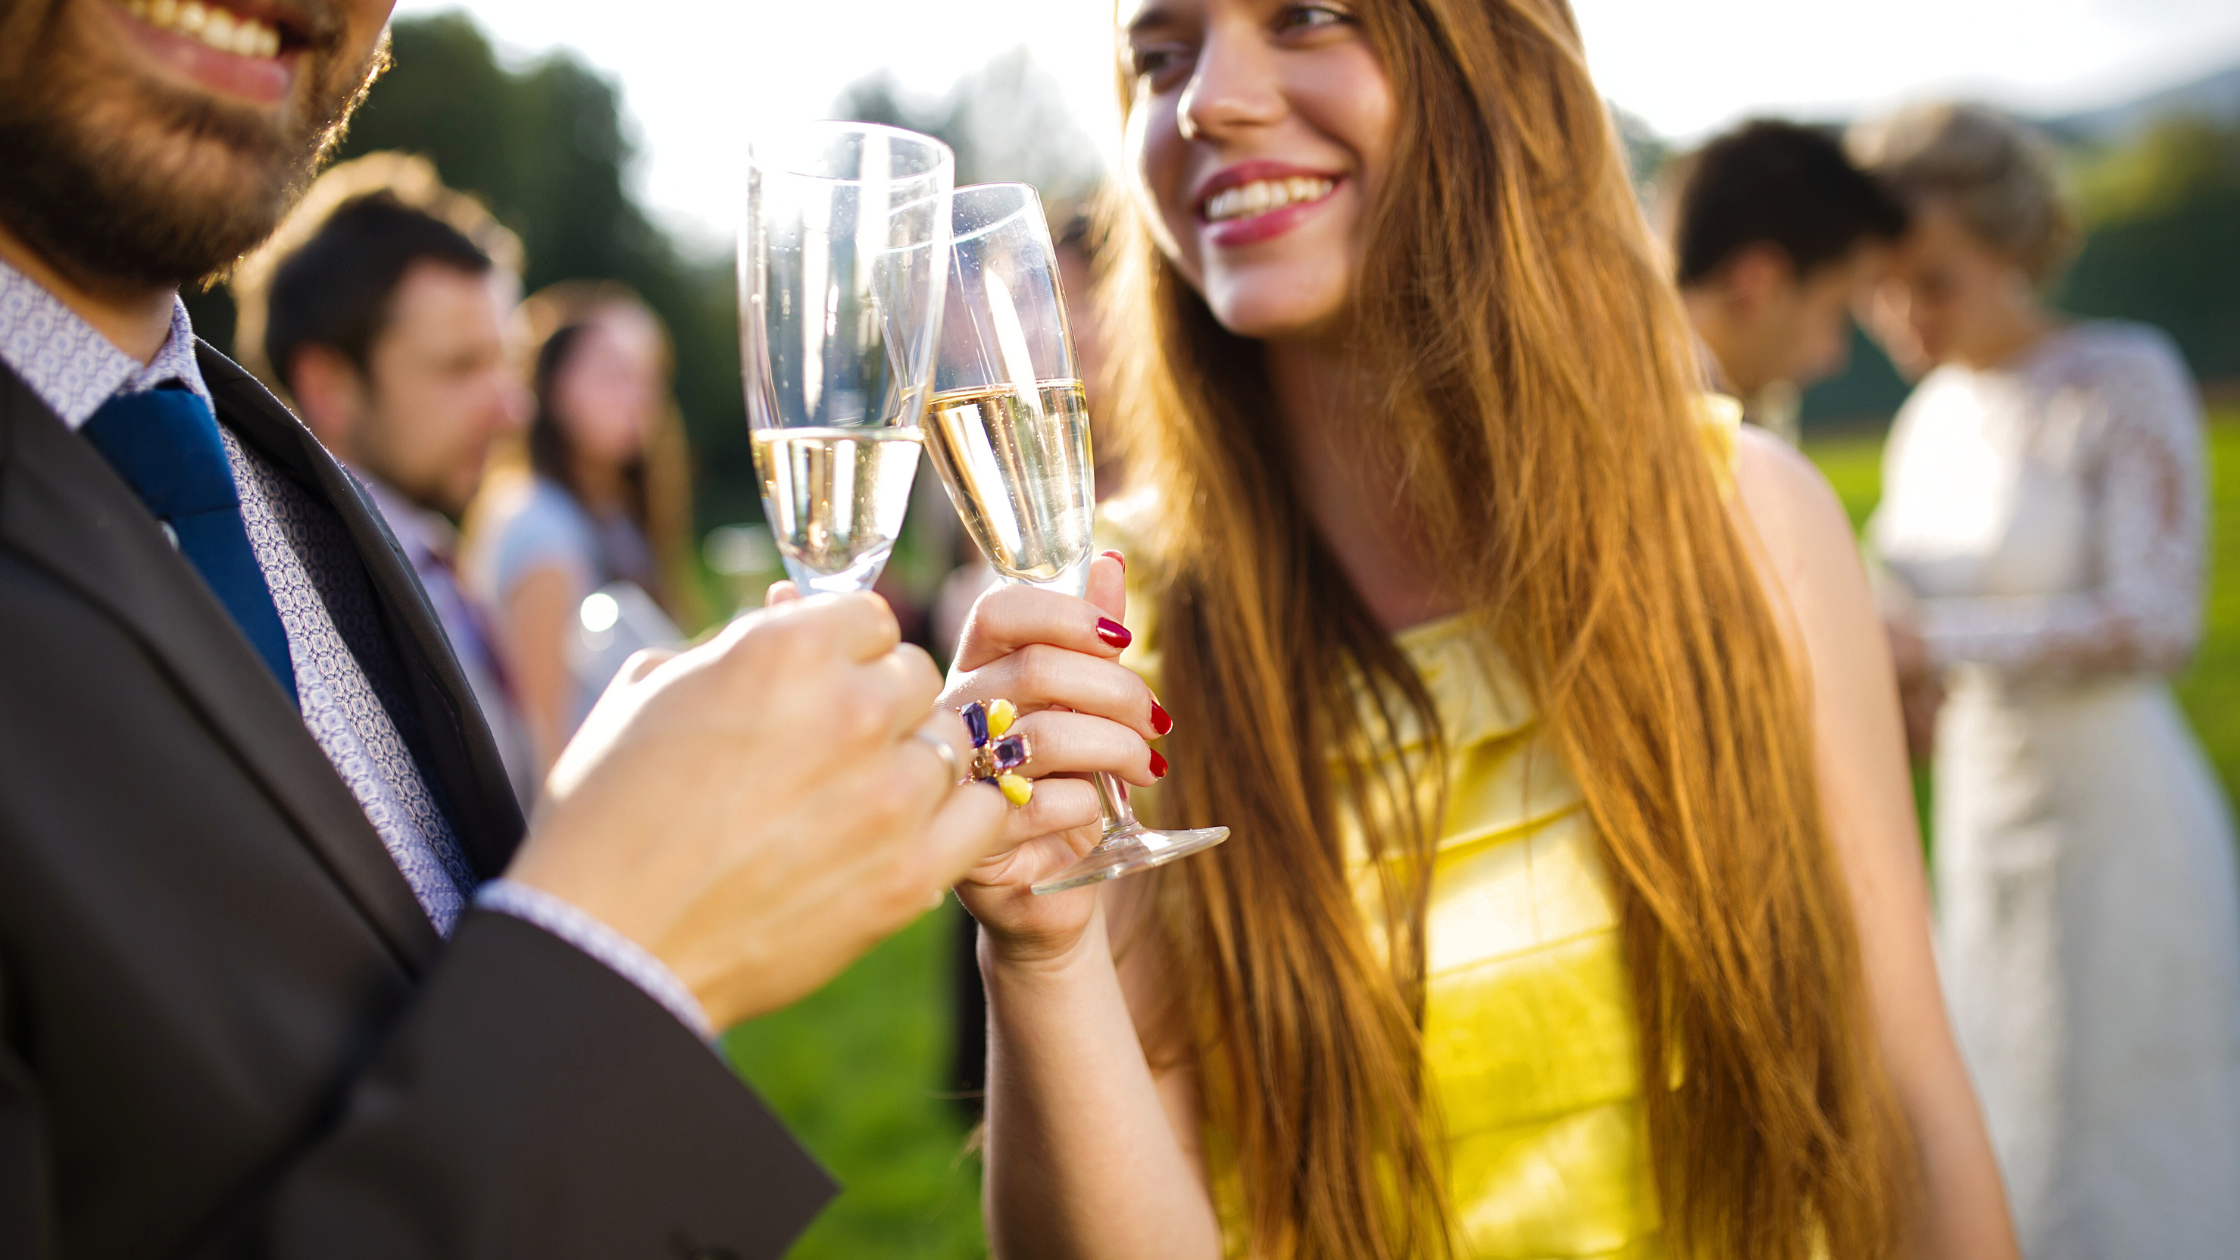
(1128, 850)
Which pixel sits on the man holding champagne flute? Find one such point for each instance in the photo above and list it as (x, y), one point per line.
(282, 971)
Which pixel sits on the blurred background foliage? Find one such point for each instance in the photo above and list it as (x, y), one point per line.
(545, 146)
(858, 1068)
(2158, 181)
(544, 143)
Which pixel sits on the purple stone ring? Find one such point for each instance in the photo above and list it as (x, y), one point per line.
(1000, 756)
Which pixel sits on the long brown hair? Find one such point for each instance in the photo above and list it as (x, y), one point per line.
(658, 480)
(1539, 412)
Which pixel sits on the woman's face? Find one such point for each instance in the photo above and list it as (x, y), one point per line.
(607, 395)
(1258, 132)
(1950, 297)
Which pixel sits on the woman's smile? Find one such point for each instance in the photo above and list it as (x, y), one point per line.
(1256, 201)
(1258, 133)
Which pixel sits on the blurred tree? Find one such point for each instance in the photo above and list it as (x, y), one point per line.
(544, 146)
(1007, 122)
(2164, 214)
(1646, 151)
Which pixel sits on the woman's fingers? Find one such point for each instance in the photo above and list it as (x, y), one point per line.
(1030, 862)
(1040, 676)
(1058, 806)
(1108, 585)
(1058, 742)
(1009, 618)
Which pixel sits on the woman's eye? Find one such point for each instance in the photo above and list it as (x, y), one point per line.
(1307, 17)
(1153, 61)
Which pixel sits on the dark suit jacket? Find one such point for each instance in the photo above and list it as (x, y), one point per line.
(226, 1027)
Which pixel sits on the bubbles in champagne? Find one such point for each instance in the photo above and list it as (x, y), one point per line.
(836, 499)
(1018, 467)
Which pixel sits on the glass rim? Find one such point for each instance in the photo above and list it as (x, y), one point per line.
(1033, 202)
(945, 157)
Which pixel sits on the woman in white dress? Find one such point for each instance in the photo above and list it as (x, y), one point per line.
(2043, 519)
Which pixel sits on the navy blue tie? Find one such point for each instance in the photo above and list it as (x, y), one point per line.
(164, 443)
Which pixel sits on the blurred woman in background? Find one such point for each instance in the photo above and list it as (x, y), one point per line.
(600, 501)
(2043, 514)
(1573, 904)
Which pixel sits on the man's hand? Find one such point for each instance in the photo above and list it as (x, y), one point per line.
(757, 812)
(1920, 691)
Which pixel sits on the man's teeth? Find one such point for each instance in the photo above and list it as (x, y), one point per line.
(222, 29)
(1263, 195)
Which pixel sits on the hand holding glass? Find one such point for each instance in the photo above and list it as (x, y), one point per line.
(1009, 433)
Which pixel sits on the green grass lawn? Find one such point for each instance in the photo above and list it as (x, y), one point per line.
(857, 1069)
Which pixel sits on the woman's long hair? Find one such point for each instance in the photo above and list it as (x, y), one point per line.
(658, 482)
(1539, 413)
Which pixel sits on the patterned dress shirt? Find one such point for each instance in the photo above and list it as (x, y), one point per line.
(348, 681)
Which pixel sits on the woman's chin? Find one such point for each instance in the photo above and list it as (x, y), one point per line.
(1276, 317)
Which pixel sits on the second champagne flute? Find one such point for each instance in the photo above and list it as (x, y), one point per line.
(841, 265)
(1009, 432)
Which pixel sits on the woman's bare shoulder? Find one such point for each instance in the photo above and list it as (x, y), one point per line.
(1791, 509)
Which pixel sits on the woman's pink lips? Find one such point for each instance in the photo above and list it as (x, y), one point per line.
(264, 80)
(1252, 229)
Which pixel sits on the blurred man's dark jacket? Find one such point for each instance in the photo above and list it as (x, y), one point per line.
(226, 1025)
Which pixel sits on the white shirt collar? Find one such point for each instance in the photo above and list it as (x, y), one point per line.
(70, 366)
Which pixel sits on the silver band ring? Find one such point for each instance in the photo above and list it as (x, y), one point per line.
(944, 750)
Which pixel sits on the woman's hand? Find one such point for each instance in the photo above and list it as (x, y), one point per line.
(1056, 659)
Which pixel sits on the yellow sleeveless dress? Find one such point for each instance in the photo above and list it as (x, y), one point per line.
(1529, 1032)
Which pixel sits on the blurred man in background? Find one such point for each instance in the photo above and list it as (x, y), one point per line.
(382, 309)
(1774, 235)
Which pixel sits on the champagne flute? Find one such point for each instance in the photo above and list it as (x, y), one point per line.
(841, 264)
(1009, 434)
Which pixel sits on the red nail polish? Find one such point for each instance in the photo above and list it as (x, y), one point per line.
(1160, 722)
(1113, 633)
(1119, 559)
(1158, 765)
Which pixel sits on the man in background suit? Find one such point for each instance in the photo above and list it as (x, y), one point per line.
(279, 972)
(382, 308)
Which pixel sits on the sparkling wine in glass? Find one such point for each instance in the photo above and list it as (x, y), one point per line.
(1009, 431)
(1015, 461)
(835, 499)
(842, 262)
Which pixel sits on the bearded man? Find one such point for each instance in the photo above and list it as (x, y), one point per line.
(280, 973)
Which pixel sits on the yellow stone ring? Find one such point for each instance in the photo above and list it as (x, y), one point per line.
(997, 754)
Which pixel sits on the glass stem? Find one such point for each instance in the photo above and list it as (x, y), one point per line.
(1112, 801)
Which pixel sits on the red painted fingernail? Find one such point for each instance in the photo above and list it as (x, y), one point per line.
(1113, 633)
(1119, 559)
(1160, 722)
(1158, 765)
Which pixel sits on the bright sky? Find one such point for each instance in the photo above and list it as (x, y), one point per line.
(698, 76)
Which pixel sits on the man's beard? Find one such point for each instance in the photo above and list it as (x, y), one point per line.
(137, 184)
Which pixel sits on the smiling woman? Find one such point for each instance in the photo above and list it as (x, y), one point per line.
(1555, 920)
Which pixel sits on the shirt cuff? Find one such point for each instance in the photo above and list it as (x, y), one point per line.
(620, 954)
